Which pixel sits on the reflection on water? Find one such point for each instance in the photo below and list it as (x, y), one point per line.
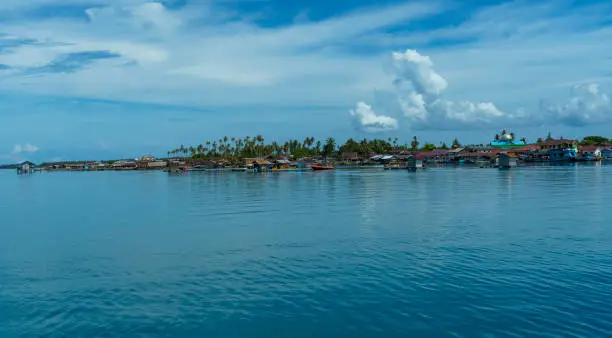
(440, 252)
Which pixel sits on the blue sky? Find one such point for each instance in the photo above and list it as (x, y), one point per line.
(119, 78)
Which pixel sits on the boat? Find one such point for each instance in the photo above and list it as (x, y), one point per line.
(321, 167)
(588, 158)
(563, 154)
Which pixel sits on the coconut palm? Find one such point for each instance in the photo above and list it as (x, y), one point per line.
(329, 147)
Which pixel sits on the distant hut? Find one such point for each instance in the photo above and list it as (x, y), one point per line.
(148, 158)
(507, 161)
(414, 163)
(25, 167)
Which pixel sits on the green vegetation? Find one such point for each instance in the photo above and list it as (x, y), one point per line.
(456, 144)
(428, 147)
(238, 148)
(594, 141)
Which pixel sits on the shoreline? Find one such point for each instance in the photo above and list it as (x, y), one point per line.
(337, 168)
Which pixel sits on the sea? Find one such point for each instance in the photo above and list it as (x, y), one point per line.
(443, 252)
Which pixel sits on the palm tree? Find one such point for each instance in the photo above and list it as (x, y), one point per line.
(309, 141)
(414, 143)
(222, 149)
(275, 147)
(364, 147)
(456, 143)
(318, 147)
(329, 147)
(182, 149)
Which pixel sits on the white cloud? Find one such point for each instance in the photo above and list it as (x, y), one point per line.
(419, 90)
(511, 56)
(202, 54)
(366, 120)
(587, 105)
(26, 148)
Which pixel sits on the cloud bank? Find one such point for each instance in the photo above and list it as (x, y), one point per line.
(420, 88)
(190, 53)
(473, 71)
(418, 96)
(587, 105)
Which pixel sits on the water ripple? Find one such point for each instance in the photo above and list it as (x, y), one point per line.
(440, 253)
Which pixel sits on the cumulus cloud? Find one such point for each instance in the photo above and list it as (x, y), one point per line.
(367, 120)
(26, 148)
(418, 95)
(587, 105)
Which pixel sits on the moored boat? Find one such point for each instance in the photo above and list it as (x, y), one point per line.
(321, 167)
(569, 154)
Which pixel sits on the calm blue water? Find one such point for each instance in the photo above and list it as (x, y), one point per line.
(441, 253)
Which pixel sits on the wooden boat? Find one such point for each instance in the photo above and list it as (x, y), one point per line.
(321, 167)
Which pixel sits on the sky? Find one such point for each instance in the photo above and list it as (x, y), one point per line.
(94, 79)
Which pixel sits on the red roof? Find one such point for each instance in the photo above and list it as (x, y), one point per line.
(480, 154)
(589, 148)
(529, 147)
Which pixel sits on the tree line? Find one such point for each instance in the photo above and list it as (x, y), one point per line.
(256, 146)
(231, 147)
